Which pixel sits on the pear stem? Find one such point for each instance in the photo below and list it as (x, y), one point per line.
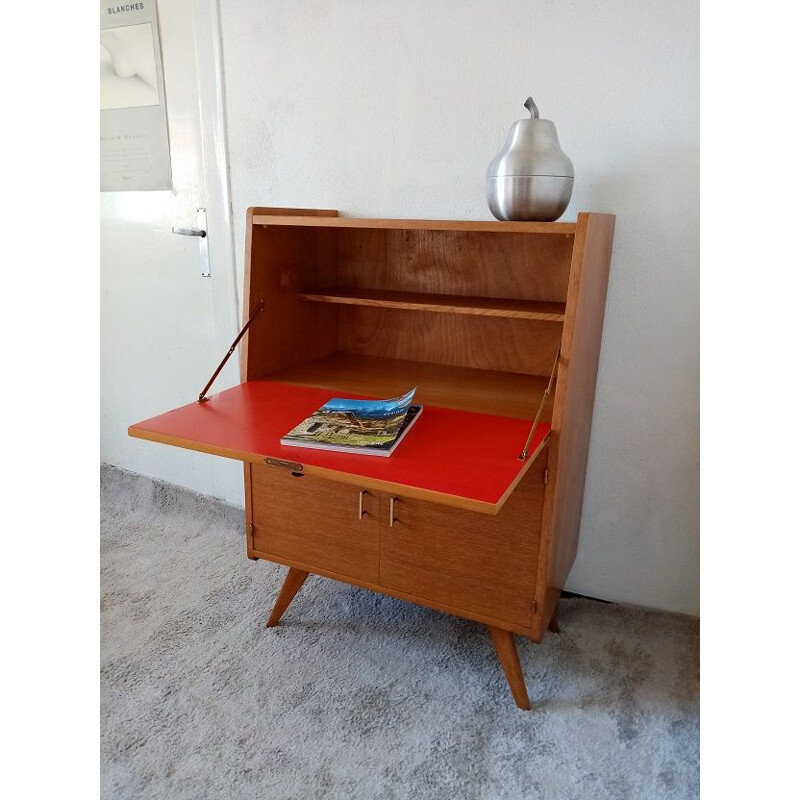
(531, 106)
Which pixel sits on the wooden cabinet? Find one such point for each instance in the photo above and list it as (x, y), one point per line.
(498, 325)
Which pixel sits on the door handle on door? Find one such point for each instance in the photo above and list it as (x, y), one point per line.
(361, 495)
(189, 232)
(201, 231)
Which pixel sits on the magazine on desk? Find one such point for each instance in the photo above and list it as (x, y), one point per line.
(365, 427)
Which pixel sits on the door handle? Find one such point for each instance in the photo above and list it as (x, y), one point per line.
(201, 232)
(361, 495)
(392, 518)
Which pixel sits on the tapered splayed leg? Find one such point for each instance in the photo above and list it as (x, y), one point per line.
(506, 649)
(295, 578)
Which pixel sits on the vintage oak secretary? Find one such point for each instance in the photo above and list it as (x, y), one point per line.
(477, 511)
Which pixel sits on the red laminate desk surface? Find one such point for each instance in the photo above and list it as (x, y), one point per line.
(454, 457)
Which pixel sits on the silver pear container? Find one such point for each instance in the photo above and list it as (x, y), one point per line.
(531, 177)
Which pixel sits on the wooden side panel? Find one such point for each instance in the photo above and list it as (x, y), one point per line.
(314, 521)
(477, 564)
(278, 262)
(573, 405)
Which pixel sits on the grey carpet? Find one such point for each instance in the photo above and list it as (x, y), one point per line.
(357, 695)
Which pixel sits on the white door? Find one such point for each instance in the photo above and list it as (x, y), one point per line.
(165, 327)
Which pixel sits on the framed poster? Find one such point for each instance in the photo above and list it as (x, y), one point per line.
(134, 138)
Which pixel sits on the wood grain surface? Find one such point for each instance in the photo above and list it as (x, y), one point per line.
(527, 347)
(315, 521)
(479, 564)
(461, 262)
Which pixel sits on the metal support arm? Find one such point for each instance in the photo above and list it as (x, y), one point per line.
(259, 308)
(524, 454)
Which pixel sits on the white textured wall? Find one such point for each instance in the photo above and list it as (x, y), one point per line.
(395, 109)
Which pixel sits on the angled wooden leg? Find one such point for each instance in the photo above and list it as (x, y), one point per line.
(553, 626)
(507, 653)
(291, 586)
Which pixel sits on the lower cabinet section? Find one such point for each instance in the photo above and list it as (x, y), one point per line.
(475, 564)
(472, 562)
(315, 522)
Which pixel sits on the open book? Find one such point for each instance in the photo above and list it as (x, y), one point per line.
(368, 427)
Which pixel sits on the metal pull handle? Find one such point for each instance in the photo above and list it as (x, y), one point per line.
(361, 495)
(201, 232)
(190, 232)
(392, 518)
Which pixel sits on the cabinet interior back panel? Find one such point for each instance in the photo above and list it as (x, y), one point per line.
(527, 347)
(524, 266)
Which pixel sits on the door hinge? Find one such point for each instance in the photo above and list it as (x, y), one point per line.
(533, 606)
(546, 475)
(292, 466)
(249, 529)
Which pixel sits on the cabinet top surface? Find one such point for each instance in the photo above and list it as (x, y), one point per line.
(456, 457)
(482, 226)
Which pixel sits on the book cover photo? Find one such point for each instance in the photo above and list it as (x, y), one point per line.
(368, 427)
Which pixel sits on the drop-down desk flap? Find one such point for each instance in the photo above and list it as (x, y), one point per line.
(457, 458)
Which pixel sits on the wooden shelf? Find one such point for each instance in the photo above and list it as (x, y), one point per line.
(480, 226)
(504, 394)
(441, 303)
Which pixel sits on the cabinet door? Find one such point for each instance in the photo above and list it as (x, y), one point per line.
(314, 523)
(474, 563)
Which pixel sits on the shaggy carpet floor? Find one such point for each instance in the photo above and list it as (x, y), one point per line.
(359, 696)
